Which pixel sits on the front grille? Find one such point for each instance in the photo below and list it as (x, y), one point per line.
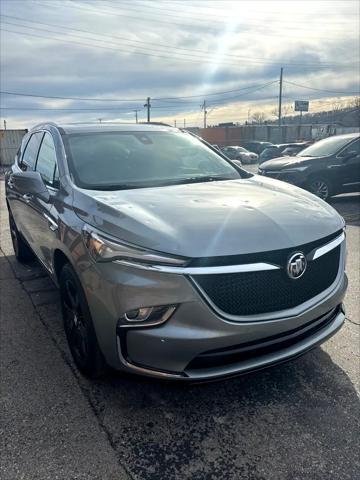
(252, 293)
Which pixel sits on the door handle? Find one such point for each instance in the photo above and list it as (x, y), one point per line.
(52, 224)
(27, 197)
(11, 183)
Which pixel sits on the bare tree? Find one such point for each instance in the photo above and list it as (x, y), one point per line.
(354, 102)
(258, 117)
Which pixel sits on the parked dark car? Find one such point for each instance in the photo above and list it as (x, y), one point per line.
(269, 153)
(283, 149)
(328, 167)
(292, 148)
(255, 146)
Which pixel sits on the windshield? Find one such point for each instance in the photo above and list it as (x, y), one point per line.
(142, 159)
(326, 147)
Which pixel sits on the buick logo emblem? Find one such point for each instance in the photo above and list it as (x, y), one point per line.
(296, 265)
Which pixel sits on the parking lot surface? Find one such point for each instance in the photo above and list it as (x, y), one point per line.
(299, 420)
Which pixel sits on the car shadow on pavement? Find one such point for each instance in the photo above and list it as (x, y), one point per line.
(300, 420)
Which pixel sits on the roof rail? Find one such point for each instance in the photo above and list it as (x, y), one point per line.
(156, 123)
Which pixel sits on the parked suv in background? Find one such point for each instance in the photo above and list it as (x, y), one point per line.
(171, 261)
(328, 167)
(255, 146)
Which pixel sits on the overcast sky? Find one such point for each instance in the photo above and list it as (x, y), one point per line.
(195, 50)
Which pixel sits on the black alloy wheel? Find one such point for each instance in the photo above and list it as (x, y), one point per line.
(78, 325)
(320, 187)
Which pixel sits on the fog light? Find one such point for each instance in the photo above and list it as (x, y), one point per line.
(148, 315)
(139, 315)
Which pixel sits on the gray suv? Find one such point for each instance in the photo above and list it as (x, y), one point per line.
(171, 261)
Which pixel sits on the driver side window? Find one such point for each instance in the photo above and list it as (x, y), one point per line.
(353, 147)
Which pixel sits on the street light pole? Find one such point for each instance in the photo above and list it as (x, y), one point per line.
(148, 106)
(280, 100)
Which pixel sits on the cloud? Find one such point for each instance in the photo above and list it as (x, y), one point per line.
(107, 50)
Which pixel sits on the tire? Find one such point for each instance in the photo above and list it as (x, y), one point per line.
(321, 187)
(78, 325)
(23, 252)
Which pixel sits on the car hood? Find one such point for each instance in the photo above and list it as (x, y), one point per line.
(210, 219)
(285, 162)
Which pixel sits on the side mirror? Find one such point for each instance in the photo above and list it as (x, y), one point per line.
(32, 183)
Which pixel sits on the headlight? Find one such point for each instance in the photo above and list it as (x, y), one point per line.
(293, 169)
(104, 249)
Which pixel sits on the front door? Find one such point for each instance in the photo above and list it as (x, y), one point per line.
(40, 225)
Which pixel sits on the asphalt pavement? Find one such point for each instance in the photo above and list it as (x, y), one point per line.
(299, 420)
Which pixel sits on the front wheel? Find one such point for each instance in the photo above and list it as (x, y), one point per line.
(321, 187)
(78, 325)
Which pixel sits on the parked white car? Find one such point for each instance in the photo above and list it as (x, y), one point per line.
(240, 153)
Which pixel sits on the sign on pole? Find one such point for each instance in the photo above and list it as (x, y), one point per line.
(301, 106)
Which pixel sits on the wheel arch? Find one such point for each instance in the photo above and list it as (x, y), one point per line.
(59, 260)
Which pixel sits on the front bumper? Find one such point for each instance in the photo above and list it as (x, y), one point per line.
(297, 178)
(198, 342)
(248, 356)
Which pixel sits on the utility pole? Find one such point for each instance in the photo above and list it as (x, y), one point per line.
(184, 122)
(175, 123)
(280, 101)
(203, 107)
(4, 124)
(100, 120)
(136, 115)
(148, 106)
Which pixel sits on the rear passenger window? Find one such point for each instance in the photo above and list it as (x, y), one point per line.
(31, 150)
(46, 162)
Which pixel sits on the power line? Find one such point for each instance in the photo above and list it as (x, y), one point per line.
(129, 100)
(106, 109)
(156, 45)
(203, 18)
(207, 15)
(172, 57)
(321, 89)
(139, 18)
(119, 50)
(193, 57)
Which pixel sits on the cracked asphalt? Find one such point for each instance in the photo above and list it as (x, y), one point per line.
(299, 420)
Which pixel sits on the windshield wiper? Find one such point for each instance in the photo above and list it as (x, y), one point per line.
(109, 187)
(208, 178)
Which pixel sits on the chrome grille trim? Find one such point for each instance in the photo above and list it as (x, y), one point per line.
(249, 267)
(319, 252)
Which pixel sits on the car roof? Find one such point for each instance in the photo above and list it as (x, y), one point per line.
(350, 136)
(107, 127)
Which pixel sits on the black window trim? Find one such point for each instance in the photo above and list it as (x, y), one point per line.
(51, 187)
(354, 140)
(27, 143)
(338, 155)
